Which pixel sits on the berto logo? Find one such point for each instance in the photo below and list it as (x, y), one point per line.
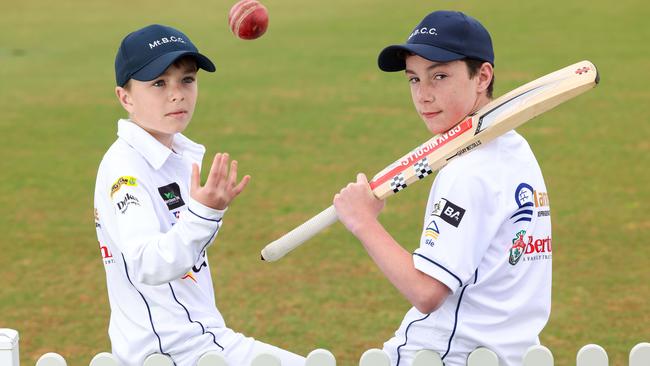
(171, 194)
(531, 248)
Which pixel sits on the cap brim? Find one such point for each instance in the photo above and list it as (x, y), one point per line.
(158, 66)
(391, 58)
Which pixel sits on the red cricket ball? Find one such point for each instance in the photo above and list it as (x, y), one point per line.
(248, 19)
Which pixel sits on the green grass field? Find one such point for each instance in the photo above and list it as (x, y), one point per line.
(304, 109)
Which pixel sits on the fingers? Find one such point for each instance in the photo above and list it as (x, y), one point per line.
(214, 168)
(219, 169)
(221, 186)
(240, 187)
(195, 181)
(232, 175)
(232, 179)
(223, 165)
(361, 186)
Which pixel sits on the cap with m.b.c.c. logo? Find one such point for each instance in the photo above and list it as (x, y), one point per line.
(442, 36)
(146, 53)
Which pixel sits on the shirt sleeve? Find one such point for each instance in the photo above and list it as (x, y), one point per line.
(459, 225)
(155, 257)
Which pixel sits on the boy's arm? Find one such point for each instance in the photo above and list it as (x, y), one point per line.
(154, 257)
(357, 209)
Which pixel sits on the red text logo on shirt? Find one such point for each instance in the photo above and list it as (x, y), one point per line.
(529, 248)
(107, 256)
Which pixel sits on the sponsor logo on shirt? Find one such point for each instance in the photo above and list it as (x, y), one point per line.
(448, 211)
(529, 248)
(123, 181)
(107, 256)
(171, 194)
(125, 203)
(518, 247)
(528, 200)
(431, 233)
(97, 224)
(191, 274)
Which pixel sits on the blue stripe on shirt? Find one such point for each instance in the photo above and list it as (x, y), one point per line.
(460, 283)
(126, 270)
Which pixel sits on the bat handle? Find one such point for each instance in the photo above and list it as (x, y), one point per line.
(290, 241)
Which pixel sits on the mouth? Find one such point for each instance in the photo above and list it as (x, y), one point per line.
(177, 113)
(430, 114)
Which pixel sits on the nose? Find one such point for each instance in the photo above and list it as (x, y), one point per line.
(425, 92)
(176, 94)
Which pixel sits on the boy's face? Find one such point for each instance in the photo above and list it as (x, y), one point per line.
(164, 105)
(443, 93)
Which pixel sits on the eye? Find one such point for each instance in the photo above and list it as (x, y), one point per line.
(159, 83)
(439, 76)
(413, 79)
(189, 79)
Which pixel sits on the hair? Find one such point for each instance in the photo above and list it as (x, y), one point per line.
(180, 62)
(473, 67)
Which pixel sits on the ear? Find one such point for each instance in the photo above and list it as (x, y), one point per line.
(125, 99)
(485, 74)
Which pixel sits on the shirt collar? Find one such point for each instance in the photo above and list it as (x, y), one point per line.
(152, 150)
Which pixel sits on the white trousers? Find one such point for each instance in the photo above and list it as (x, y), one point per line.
(238, 350)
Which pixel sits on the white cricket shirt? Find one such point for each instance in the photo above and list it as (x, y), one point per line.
(153, 239)
(487, 236)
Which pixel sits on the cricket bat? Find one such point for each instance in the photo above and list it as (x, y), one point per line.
(496, 118)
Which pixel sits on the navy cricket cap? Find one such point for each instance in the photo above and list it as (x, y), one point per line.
(441, 36)
(146, 53)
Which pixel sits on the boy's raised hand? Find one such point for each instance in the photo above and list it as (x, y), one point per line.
(221, 187)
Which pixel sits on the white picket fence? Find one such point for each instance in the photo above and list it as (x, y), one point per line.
(589, 355)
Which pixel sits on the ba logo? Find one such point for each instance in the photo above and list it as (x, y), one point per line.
(171, 194)
(448, 211)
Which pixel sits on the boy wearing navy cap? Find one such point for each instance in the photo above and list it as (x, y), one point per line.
(481, 275)
(153, 218)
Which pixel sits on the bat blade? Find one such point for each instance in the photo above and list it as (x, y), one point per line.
(496, 118)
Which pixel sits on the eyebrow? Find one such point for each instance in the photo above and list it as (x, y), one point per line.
(189, 69)
(432, 67)
(186, 70)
